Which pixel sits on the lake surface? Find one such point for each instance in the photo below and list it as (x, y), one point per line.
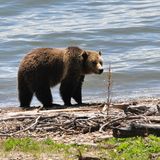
(127, 33)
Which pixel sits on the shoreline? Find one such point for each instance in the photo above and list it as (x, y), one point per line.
(129, 100)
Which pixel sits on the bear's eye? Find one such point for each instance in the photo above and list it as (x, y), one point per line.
(94, 62)
(101, 63)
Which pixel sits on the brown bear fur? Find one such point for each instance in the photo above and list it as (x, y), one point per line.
(43, 68)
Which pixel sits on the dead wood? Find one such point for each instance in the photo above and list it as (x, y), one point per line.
(135, 129)
(135, 110)
(127, 132)
(149, 128)
(80, 157)
(124, 122)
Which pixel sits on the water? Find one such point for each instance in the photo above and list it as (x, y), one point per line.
(127, 33)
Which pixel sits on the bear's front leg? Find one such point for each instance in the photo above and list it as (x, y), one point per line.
(66, 90)
(43, 94)
(77, 93)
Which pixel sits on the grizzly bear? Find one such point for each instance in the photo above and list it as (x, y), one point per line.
(43, 68)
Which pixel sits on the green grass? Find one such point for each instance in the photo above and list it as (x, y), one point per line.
(122, 149)
(36, 147)
(134, 148)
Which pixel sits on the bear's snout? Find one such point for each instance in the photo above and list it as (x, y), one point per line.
(100, 71)
(99, 68)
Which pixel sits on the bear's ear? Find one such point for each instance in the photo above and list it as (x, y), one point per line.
(85, 55)
(100, 53)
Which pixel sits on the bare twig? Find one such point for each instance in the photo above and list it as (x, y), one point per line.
(110, 122)
(120, 119)
(109, 88)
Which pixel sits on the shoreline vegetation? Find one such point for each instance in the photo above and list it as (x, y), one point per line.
(31, 149)
(79, 132)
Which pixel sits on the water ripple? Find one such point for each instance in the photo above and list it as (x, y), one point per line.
(127, 33)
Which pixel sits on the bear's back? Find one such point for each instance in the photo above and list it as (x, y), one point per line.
(44, 63)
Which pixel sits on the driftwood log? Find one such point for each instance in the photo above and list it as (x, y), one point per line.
(151, 125)
(137, 130)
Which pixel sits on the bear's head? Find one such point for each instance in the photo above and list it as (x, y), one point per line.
(92, 62)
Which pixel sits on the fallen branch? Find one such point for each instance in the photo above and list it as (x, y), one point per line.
(109, 123)
(80, 157)
(149, 128)
(23, 130)
(16, 118)
(137, 130)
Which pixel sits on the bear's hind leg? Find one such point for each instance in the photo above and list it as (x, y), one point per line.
(25, 96)
(43, 94)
